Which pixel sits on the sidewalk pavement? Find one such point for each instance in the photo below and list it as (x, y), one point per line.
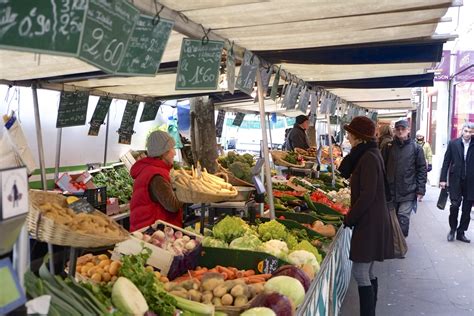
(435, 278)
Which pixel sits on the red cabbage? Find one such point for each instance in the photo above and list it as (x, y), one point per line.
(296, 273)
(278, 303)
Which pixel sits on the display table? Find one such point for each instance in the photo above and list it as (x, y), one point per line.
(327, 291)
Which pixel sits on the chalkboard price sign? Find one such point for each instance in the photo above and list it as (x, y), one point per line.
(304, 100)
(99, 115)
(128, 120)
(150, 109)
(248, 73)
(198, 66)
(220, 123)
(146, 46)
(42, 26)
(107, 30)
(72, 109)
(239, 118)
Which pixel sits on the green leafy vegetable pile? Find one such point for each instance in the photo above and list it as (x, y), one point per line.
(118, 181)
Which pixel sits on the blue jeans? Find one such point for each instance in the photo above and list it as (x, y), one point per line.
(363, 273)
(404, 210)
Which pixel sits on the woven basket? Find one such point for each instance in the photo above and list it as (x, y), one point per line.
(278, 156)
(304, 153)
(233, 179)
(47, 230)
(187, 195)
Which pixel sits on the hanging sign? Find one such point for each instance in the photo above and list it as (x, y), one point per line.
(42, 26)
(107, 30)
(128, 120)
(304, 100)
(198, 65)
(324, 104)
(72, 109)
(286, 96)
(220, 123)
(375, 116)
(146, 46)
(230, 71)
(248, 73)
(150, 109)
(313, 114)
(265, 75)
(333, 106)
(14, 193)
(293, 97)
(98, 117)
(239, 118)
(12, 294)
(276, 81)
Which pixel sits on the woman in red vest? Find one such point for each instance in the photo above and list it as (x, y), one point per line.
(153, 197)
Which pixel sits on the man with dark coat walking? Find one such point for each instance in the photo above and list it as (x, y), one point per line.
(406, 173)
(459, 161)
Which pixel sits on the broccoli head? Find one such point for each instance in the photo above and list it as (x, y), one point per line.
(249, 159)
(241, 170)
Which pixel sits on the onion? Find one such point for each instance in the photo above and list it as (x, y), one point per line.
(190, 245)
(160, 235)
(169, 231)
(186, 238)
(178, 234)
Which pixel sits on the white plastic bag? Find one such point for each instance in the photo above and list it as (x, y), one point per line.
(18, 144)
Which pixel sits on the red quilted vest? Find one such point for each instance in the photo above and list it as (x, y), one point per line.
(143, 211)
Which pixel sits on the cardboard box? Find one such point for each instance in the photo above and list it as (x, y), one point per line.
(167, 262)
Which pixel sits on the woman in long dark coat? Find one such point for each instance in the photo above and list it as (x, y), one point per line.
(372, 238)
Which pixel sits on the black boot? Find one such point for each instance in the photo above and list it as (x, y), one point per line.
(375, 288)
(451, 235)
(366, 301)
(462, 237)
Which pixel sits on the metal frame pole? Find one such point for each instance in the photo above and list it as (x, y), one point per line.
(333, 182)
(57, 162)
(39, 138)
(268, 175)
(270, 131)
(106, 137)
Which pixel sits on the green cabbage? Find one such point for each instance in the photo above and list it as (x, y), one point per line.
(272, 230)
(246, 242)
(230, 228)
(288, 286)
(213, 242)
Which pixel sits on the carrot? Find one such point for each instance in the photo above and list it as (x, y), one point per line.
(264, 276)
(240, 274)
(230, 273)
(249, 273)
(254, 279)
(213, 270)
(199, 272)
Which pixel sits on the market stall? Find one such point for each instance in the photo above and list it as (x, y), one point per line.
(106, 57)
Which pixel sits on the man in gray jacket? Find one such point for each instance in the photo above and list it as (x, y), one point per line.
(297, 137)
(406, 173)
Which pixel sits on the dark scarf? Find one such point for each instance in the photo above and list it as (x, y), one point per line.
(349, 162)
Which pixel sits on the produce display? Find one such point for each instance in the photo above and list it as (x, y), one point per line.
(239, 165)
(87, 223)
(220, 286)
(170, 240)
(118, 181)
(323, 198)
(310, 152)
(327, 230)
(343, 196)
(293, 158)
(271, 237)
(98, 269)
(203, 182)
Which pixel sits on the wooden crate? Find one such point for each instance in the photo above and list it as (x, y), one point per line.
(160, 258)
(131, 157)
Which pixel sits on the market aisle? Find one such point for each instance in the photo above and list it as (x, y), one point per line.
(435, 278)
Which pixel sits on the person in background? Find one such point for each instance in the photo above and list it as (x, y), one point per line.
(153, 197)
(459, 161)
(285, 145)
(420, 140)
(297, 136)
(372, 236)
(406, 173)
(385, 136)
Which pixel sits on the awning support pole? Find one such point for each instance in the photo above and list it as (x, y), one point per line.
(270, 131)
(106, 137)
(333, 181)
(57, 162)
(266, 153)
(39, 139)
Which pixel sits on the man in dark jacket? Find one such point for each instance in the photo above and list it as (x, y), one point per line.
(459, 160)
(406, 173)
(297, 136)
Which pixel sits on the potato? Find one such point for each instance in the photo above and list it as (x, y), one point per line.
(209, 284)
(195, 295)
(227, 300)
(107, 268)
(216, 301)
(180, 293)
(207, 297)
(104, 262)
(164, 279)
(96, 277)
(106, 277)
(239, 290)
(157, 275)
(149, 268)
(220, 290)
(78, 268)
(92, 271)
(240, 300)
(114, 267)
